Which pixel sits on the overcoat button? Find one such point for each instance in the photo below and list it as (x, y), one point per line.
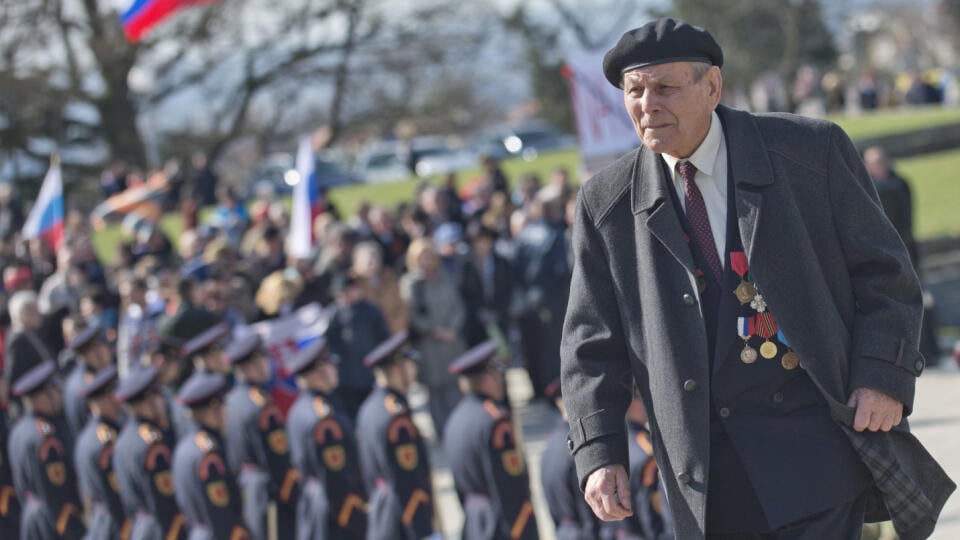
(569, 445)
(690, 385)
(919, 365)
(724, 412)
(684, 478)
(778, 397)
(688, 299)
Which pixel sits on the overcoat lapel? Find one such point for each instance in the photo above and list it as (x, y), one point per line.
(651, 205)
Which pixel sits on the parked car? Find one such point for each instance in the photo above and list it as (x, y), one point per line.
(527, 141)
(278, 172)
(387, 161)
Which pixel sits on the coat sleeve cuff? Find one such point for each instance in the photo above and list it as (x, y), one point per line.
(887, 364)
(608, 450)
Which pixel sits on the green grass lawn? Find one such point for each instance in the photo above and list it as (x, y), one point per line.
(936, 195)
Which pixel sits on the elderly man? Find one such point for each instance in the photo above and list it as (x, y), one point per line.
(24, 347)
(740, 268)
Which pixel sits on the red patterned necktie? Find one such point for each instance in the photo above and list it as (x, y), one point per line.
(697, 217)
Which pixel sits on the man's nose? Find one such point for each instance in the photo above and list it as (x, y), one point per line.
(649, 102)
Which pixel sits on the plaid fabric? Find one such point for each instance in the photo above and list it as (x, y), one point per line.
(913, 487)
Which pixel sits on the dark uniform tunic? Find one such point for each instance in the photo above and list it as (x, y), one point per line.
(9, 503)
(74, 405)
(177, 413)
(98, 483)
(323, 448)
(489, 471)
(258, 454)
(142, 462)
(206, 491)
(396, 468)
(650, 519)
(44, 477)
(572, 517)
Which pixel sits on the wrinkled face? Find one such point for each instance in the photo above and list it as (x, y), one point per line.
(670, 104)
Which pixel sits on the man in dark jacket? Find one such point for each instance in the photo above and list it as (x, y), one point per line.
(357, 326)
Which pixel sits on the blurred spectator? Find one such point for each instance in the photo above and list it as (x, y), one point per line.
(24, 349)
(526, 190)
(216, 300)
(230, 216)
(437, 206)
(278, 293)
(268, 256)
(58, 291)
(113, 180)
(336, 258)
(204, 180)
(11, 211)
(98, 309)
(175, 181)
(921, 92)
(393, 242)
(138, 324)
(490, 280)
(867, 88)
(380, 285)
(451, 193)
(357, 326)
(188, 319)
(436, 315)
(479, 201)
(491, 167)
(543, 277)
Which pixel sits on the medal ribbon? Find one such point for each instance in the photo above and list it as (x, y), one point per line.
(738, 261)
(745, 327)
(781, 338)
(766, 325)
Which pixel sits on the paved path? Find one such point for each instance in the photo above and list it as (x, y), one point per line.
(935, 421)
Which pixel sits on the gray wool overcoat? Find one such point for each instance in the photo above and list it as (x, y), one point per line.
(831, 267)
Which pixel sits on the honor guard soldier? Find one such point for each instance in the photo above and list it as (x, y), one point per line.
(256, 444)
(393, 455)
(489, 471)
(205, 351)
(572, 517)
(164, 355)
(93, 456)
(93, 354)
(206, 490)
(324, 450)
(42, 467)
(9, 503)
(142, 459)
(650, 519)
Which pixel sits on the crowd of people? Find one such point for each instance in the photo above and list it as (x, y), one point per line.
(137, 400)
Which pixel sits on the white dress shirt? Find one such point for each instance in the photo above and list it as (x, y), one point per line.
(710, 159)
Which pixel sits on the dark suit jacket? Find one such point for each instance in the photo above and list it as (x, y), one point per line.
(833, 270)
(21, 355)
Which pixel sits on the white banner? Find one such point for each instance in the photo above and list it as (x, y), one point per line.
(603, 127)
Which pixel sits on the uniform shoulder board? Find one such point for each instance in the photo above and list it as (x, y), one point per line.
(203, 441)
(493, 409)
(148, 433)
(44, 428)
(106, 434)
(320, 407)
(393, 406)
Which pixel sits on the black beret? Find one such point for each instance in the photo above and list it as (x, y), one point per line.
(386, 350)
(308, 356)
(660, 42)
(134, 385)
(35, 379)
(85, 337)
(100, 383)
(242, 349)
(475, 360)
(201, 388)
(206, 339)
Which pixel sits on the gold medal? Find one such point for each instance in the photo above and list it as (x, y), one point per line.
(748, 355)
(790, 361)
(745, 292)
(768, 350)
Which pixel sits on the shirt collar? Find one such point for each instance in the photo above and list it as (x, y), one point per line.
(705, 157)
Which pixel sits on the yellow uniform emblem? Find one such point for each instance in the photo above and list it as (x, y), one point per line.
(164, 483)
(56, 473)
(277, 441)
(512, 462)
(407, 456)
(218, 494)
(334, 457)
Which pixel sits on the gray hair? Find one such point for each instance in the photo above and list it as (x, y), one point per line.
(18, 302)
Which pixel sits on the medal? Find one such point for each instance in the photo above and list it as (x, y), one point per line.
(768, 350)
(701, 282)
(748, 355)
(758, 303)
(745, 292)
(790, 361)
(744, 329)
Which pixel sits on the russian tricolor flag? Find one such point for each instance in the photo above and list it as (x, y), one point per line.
(305, 203)
(46, 216)
(139, 16)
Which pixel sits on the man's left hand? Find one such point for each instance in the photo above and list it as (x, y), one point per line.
(876, 411)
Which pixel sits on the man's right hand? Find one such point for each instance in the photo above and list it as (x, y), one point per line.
(608, 493)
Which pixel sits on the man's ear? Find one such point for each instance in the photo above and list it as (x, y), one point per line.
(715, 84)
